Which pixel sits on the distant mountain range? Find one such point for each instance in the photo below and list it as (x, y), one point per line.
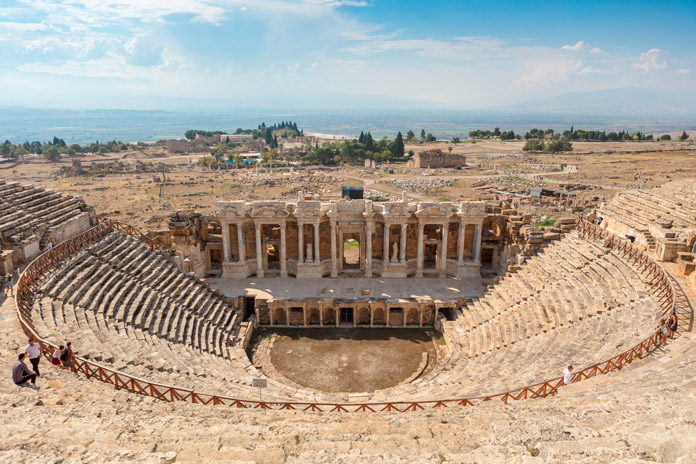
(617, 103)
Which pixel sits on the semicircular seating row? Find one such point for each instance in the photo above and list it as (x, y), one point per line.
(129, 308)
(24, 209)
(637, 210)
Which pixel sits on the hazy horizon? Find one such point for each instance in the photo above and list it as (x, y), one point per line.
(84, 126)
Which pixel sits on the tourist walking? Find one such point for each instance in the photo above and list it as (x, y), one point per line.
(33, 350)
(55, 359)
(67, 355)
(672, 324)
(568, 375)
(21, 373)
(663, 332)
(9, 289)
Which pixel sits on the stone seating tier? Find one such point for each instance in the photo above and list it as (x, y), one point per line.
(26, 209)
(129, 308)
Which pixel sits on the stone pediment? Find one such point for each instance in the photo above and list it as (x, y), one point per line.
(436, 210)
(268, 212)
(396, 211)
(308, 209)
(232, 209)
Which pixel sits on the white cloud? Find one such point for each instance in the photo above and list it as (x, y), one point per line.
(650, 61)
(684, 71)
(596, 50)
(586, 70)
(576, 47)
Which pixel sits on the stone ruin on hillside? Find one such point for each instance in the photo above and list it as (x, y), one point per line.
(433, 159)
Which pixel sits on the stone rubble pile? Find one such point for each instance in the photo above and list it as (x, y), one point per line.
(420, 184)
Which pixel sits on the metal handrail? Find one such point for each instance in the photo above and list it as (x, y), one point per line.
(48, 261)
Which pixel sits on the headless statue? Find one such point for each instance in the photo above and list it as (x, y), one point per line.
(395, 252)
(308, 253)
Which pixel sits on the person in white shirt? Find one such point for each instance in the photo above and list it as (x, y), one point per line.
(33, 351)
(568, 375)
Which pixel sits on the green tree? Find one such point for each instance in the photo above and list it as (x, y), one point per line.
(51, 154)
(533, 145)
(76, 147)
(496, 132)
(20, 152)
(410, 136)
(684, 136)
(361, 139)
(422, 134)
(268, 136)
(430, 137)
(397, 148)
(455, 140)
(666, 137)
(369, 142)
(558, 146)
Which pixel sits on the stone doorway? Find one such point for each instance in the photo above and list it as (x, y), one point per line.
(430, 256)
(347, 316)
(351, 252)
(432, 238)
(271, 247)
(215, 260)
(248, 306)
(396, 317)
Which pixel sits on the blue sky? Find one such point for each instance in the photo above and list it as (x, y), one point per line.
(175, 54)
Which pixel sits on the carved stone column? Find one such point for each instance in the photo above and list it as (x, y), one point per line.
(259, 257)
(477, 244)
(283, 260)
(460, 243)
(368, 248)
(419, 256)
(443, 254)
(402, 251)
(225, 242)
(317, 258)
(300, 243)
(334, 270)
(386, 245)
(241, 244)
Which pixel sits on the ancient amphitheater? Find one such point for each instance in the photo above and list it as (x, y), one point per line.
(165, 323)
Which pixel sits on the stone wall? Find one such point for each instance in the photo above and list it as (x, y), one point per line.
(434, 159)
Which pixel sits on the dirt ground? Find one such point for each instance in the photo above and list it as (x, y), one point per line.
(146, 201)
(350, 360)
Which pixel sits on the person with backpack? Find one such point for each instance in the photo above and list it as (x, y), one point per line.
(66, 356)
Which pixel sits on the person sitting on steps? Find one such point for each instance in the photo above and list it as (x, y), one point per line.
(21, 373)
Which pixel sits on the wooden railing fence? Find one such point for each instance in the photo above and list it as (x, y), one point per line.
(42, 266)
